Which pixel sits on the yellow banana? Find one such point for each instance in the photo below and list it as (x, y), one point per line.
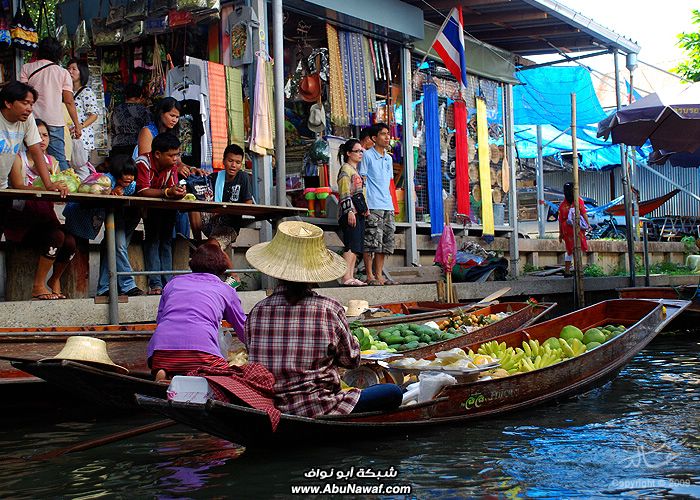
(578, 347)
(527, 349)
(566, 348)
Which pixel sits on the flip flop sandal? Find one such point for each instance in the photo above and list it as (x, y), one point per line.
(374, 283)
(45, 296)
(155, 291)
(390, 282)
(354, 282)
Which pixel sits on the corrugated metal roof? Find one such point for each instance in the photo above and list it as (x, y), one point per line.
(529, 27)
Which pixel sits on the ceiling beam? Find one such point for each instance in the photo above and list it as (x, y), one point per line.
(511, 34)
(534, 47)
(467, 5)
(506, 17)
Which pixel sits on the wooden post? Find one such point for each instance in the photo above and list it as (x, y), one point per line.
(578, 260)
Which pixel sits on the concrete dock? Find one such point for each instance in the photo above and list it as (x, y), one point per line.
(22, 314)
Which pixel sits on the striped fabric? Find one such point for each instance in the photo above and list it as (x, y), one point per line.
(234, 106)
(183, 362)
(369, 71)
(217, 113)
(352, 53)
(339, 110)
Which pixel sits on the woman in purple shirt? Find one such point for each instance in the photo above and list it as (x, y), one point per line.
(190, 313)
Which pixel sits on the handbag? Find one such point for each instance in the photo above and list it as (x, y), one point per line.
(359, 202)
(23, 31)
(136, 10)
(178, 18)
(156, 25)
(103, 35)
(133, 31)
(116, 16)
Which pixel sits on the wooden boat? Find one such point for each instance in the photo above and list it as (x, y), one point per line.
(645, 207)
(127, 345)
(455, 403)
(110, 389)
(522, 314)
(686, 292)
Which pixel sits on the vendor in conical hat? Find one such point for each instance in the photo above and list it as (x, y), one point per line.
(302, 337)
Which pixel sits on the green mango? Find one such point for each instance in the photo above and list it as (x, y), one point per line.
(394, 339)
(411, 338)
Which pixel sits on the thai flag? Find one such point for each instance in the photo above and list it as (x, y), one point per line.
(449, 44)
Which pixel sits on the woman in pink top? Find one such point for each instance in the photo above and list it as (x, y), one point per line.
(189, 316)
(55, 88)
(34, 222)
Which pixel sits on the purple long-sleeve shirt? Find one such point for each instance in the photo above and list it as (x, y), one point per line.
(190, 312)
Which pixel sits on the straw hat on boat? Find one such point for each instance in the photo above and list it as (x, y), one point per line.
(298, 253)
(87, 350)
(357, 307)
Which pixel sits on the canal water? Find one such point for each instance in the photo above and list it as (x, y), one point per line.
(636, 436)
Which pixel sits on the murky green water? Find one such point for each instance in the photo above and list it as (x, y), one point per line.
(637, 436)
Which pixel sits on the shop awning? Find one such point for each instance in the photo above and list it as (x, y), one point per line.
(529, 27)
(391, 19)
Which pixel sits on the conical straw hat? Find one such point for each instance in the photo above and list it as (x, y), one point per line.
(298, 253)
(357, 307)
(88, 350)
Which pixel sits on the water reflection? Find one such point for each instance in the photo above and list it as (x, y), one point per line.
(636, 436)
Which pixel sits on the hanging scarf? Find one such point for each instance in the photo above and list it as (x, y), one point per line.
(218, 118)
(219, 186)
(234, 106)
(482, 131)
(432, 155)
(355, 78)
(369, 71)
(339, 110)
(462, 158)
(261, 133)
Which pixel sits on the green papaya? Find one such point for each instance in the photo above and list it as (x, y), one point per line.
(426, 338)
(394, 339)
(414, 328)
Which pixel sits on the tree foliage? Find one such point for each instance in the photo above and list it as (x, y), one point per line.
(690, 42)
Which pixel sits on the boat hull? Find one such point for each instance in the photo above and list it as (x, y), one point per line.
(456, 403)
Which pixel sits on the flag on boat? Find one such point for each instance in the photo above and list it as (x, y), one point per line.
(449, 44)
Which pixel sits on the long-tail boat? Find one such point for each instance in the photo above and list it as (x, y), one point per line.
(685, 292)
(110, 389)
(643, 319)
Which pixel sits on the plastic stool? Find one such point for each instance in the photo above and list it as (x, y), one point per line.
(321, 194)
(310, 195)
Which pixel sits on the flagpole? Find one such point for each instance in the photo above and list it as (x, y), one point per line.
(430, 47)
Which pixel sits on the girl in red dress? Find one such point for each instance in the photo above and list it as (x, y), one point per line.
(566, 228)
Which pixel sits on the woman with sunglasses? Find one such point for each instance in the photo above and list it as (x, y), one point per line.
(353, 207)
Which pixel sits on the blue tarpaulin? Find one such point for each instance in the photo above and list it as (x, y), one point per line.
(544, 98)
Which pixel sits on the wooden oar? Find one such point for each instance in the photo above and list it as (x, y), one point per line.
(111, 438)
(486, 300)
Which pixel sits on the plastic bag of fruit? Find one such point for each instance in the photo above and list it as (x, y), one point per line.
(67, 176)
(96, 183)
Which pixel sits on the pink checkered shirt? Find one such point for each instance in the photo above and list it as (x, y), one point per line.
(303, 346)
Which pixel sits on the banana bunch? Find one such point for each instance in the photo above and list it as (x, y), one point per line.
(532, 348)
(577, 347)
(510, 359)
(547, 357)
(492, 348)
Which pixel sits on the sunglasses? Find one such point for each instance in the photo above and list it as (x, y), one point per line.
(357, 150)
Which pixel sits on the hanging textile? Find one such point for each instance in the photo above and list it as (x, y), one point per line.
(217, 112)
(482, 130)
(462, 158)
(369, 71)
(234, 106)
(270, 76)
(261, 128)
(206, 142)
(432, 155)
(355, 78)
(226, 11)
(336, 89)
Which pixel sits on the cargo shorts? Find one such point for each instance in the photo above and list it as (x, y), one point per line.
(379, 232)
